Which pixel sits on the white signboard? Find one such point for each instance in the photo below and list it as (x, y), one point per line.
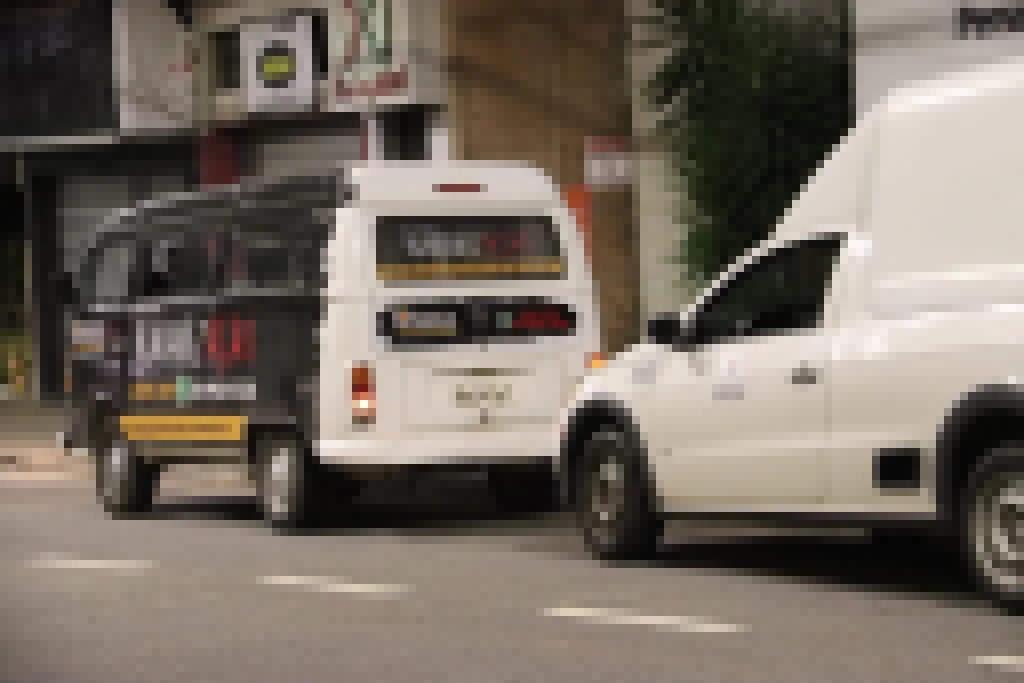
(277, 64)
(152, 67)
(369, 60)
(901, 41)
(607, 161)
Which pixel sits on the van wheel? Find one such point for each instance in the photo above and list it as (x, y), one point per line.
(289, 486)
(523, 489)
(993, 524)
(125, 482)
(616, 511)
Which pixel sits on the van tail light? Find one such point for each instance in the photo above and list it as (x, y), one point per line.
(364, 395)
(543, 318)
(230, 341)
(596, 360)
(535, 319)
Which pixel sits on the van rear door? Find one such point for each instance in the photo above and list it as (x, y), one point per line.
(479, 314)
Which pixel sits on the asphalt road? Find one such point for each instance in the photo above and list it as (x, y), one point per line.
(436, 586)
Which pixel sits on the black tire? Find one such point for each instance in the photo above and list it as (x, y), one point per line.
(524, 489)
(125, 483)
(290, 490)
(627, 527)
(992, 524)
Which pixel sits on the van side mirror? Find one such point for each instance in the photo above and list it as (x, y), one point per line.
(668, 330)
(665, 329)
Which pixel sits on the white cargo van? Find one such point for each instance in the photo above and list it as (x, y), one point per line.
(324, 330)
(861, 366)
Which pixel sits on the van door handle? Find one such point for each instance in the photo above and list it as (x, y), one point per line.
(805, 374)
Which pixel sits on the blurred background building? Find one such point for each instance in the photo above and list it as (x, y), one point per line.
(105, 102)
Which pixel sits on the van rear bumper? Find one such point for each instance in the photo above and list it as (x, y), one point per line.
(486, 448)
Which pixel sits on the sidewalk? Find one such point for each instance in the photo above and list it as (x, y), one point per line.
(35, 460)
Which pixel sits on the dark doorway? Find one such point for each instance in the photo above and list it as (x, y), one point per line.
(47, 304)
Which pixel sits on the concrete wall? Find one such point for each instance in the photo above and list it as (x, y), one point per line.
(658, 190)
(529, 81)
(297, 149)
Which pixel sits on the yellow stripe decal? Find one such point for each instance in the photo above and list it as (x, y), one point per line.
(455, 271)
(182, 427)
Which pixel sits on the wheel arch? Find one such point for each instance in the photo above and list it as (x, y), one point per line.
(977, 421)
(585, 419)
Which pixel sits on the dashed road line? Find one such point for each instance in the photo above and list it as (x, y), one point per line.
(613, 617)
(1003, 663)
(69, 561)
(323, 584)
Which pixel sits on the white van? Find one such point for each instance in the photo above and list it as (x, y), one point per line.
(460, 316)
(862, 366)
(326, 330)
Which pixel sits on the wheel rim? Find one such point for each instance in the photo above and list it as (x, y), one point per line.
(999, 530)
(112, 469)
(280, 485)
(606, 495)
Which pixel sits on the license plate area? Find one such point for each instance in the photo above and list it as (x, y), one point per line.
(447, 398)
(167, 428)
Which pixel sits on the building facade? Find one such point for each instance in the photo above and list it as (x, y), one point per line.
(185, 100)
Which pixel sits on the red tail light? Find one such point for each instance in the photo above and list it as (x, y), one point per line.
(364, 395)
(540, 319)
(231, 341)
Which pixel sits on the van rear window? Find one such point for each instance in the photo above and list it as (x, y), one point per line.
(261, 262)
(468, 248)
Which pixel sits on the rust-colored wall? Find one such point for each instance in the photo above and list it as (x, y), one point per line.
(529, 81)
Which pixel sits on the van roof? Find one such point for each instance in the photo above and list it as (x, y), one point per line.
(324, 190)
(940, 90)
(450, 180)
(839, 180)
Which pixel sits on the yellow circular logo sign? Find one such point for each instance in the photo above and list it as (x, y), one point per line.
(277, 65)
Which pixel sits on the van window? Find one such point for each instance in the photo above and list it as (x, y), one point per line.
(112, 272)
(179, 265)
(468, 248)
(781, 293)
(273, 262)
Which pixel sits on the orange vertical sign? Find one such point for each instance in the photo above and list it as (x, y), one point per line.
(578, 199)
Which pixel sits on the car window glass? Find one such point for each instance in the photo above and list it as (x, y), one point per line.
(113, 272)
(179, 266)
(263, 261)
(783, 291)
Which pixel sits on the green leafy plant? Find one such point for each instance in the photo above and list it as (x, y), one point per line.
(753, 99)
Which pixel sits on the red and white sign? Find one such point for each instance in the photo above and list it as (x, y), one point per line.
(607, 161)
(368, 53)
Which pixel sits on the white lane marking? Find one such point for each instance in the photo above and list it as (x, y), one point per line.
(324, 584)
(612, 617)
(67, 561)
(1005, 663)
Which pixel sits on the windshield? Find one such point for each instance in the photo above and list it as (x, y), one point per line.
(468, 248)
